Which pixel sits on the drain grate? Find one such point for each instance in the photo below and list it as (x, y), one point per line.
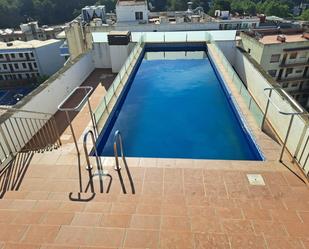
(256, 179)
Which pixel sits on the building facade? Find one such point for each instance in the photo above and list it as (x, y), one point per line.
(22, 62)
(132, 11)
(284, 54)
(30, 31)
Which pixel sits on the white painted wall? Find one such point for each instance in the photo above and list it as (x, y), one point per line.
(228, 47)
(118, 55)
(126, 13)
(101, 55)
(59, 86)
(49, 58)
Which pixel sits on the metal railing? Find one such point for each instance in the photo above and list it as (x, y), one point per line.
(299, 111)
(100, 171)
(24, 131)
(115, 89)
(87, 91)
(118, 141)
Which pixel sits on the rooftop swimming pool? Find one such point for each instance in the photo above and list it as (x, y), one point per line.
(177, 106)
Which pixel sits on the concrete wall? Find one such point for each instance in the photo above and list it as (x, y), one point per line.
(49, 58)
(126, 13)
(59, 86)
(101, 55)
(228, 48)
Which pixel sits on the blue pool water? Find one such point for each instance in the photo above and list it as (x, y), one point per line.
(176, 107)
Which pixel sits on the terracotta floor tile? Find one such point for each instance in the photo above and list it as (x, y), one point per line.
(201, 224)
(257, 214)
(141, 239)
(173, 175)
(237, 227)
(234, 177)
(297, 229)
(259, 192)
(72, 206)
(153, 188)
(304, 216)
(69, 235)
(21, 246)
(86, 219)
(211, 241)
(237, 191)
(58, 247)
(57, 218)
(7, 216)
(283, 243)
(153, 175)
(123, 208)
(179, 240)
(229, 213)
(247, 242)
(145, 222)
(173, 188)
(107, 237)
(41, 234)
(115, 220)
(296, 204)
(148, 209)
(47, 205)
(213, 177)
(38, 195)
(292, 179)
(194, 189)
(194, 176)
(28, 217)
(98, 207)
(269, 228)
(175, 210)
(272, 204)
(276, 178)
(176, 223)
(284, 215)
(23, 204)
(201, 211)
(215, 190)
(12, 232)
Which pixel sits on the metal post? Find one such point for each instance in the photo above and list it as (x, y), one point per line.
(72, 131)
(286, 138)
(266, 110)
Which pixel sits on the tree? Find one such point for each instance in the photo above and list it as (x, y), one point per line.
(243, 7)
(274, 8)
(305, 15)
(220, 5)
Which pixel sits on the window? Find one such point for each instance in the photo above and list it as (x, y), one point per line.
(1, 77)
(249, 50)
(16, 66)
(288, 71)
(294, 84)
(303, 55)
(299, 71)
(21, 55)
(272, 73)
(31, 54)
(14, 77)
(24, 65)
(1, 56)
(20, 76)
(34, 65)
(285, 85)
(275, 58)
(5, 66)
(28, 76)
(139, 15)
(13, 56)
(293, 55)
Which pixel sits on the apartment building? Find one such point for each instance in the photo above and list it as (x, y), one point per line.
(30, 31)
(284, 54)
(26, 61)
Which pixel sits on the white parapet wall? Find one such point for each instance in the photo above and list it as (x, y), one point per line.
(52, 92)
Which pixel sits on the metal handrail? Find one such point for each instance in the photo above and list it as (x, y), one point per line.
(292, 114)
(88, 91)
(98, 160)
(118, 140)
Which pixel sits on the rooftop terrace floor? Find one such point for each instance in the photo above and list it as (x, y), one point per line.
(177, 204)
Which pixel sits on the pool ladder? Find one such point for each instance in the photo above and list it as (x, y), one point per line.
(118, 141)
(100, 171)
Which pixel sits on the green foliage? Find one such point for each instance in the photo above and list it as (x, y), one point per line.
(305, 15)
(14, 12)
